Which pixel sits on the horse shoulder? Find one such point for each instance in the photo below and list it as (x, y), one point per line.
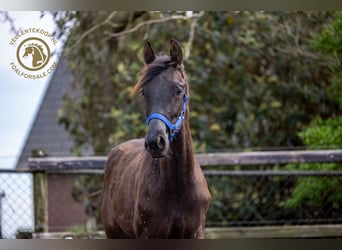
(120, 180)
(124, 152)
(123, 162)
(201, 191)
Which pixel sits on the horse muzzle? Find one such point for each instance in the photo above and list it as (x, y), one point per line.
(156, 140)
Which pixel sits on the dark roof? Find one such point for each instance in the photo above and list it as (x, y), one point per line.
(46, 134)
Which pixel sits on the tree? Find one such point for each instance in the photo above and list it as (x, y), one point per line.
(104, 52)
(322, 133)
(255, 73)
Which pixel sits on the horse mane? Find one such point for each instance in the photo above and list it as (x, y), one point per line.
(161, 63)
(36, 45)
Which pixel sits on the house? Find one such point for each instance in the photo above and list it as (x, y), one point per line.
(48, 138)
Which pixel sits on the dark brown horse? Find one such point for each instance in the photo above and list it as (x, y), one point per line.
(154, 187)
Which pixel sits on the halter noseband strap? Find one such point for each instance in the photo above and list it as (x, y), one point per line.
(173, 127)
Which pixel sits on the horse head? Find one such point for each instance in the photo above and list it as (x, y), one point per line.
(38, 55)
(164, 87)
(28, 51)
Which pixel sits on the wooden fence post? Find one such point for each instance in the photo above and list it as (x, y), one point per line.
(40, 188)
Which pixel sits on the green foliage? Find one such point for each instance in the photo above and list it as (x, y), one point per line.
(330, 39)
(335, 90)
(248, 199)
(323, 133)
(87, 190)
(255, 81)
(77, 229)
(100, 113)
(313, 191)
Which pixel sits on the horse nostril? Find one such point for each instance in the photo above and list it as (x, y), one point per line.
(146, 145)
(161, 142)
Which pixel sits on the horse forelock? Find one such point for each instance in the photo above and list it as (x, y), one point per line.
(161, 63)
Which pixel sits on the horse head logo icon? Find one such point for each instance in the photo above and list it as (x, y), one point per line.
(33, 53)
(37, 52)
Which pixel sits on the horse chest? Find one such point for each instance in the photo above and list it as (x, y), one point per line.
(168, 213)
(172, 196)
(169, 222)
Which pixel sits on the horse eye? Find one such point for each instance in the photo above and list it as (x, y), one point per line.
(179, 91)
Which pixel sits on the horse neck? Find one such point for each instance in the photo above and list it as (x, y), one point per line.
(180, 158)
(37, 54)
(34, 51)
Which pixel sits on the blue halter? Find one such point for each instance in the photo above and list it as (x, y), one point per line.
(174, 128)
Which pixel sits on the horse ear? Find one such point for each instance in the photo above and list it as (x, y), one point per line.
(176, 52)
(148, 53)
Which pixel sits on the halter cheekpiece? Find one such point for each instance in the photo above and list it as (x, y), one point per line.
(173, 127)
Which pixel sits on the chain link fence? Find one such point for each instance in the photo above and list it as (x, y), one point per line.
(260, 200)
(16, 204)
(66, 205)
